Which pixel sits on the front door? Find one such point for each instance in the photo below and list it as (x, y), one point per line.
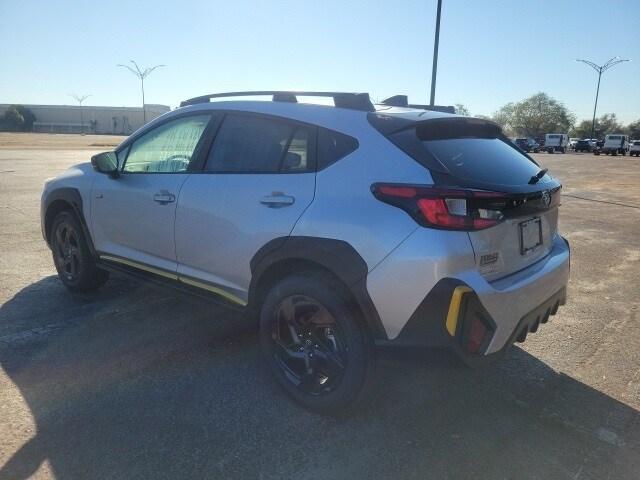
(133, 216)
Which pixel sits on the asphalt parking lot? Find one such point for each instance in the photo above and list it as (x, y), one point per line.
(139, 382)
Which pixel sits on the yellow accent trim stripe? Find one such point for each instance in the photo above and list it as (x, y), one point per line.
(173, 276)
(141, 266)
(454, 309)
(211, 288)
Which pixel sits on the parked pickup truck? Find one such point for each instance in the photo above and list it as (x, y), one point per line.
(614, 145)
(556, 142)
(634, 148)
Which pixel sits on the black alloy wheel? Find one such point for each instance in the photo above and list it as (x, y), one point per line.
(310, 345)
(74, 262)
(67, 251)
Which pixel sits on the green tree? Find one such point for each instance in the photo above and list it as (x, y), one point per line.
(633, 130)
(535, 116)
(607, 123)
(462, 110)
(17, 118)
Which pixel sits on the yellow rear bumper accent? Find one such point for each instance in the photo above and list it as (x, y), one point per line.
(454, 309)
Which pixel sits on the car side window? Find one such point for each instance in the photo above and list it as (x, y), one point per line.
(253, 144)
(167, 148)
(332, 146)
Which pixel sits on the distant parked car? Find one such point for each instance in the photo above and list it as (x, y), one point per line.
(582, 146)
(527, 145)
(572, 143)
(634, 148)
(556, 142)
(614, 144)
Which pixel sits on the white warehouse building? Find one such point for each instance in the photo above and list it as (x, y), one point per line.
(106, 120)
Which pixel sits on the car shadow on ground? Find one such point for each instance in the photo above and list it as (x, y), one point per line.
(142, 382)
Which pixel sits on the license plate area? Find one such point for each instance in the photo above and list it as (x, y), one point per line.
(530, 235)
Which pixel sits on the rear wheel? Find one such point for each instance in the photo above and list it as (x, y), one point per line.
(75, 265)
(315, 344)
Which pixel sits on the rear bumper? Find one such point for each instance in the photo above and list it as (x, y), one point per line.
(509, 307)
(510, 299)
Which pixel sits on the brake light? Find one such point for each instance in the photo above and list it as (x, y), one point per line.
(444, 208)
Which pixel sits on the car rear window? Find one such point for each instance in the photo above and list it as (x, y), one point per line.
(487, 160)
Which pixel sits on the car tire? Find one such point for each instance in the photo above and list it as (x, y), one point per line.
(73, 260)
(315, 343)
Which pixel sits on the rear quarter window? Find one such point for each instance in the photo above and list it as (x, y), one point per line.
(332, 146)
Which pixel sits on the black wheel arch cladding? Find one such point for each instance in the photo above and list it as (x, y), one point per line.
(336, 256)
(62, 197)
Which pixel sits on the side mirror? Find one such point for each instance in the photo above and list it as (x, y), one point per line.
(106, 162)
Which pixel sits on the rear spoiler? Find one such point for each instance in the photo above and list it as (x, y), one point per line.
(438, 128)
(403, 101)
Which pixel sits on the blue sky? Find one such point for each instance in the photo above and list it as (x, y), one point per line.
(491, 52)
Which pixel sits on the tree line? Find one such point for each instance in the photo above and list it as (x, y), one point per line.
(541, 114)
(17, 118)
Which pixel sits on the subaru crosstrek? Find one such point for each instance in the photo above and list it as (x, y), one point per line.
(338, 227)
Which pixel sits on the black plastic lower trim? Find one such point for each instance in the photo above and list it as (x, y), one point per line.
(426, 327)
(336, 256)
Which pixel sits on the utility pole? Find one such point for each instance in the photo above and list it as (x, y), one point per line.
(434, 70)
(141, 74)
(600, 69)
(80, 99)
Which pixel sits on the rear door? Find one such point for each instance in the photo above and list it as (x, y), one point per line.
(472, 154)
(258, 179)
(531, 210)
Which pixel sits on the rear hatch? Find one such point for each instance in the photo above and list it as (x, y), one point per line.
(473, 154)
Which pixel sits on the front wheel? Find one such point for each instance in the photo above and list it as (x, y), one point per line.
(315, 343)
(75, 265)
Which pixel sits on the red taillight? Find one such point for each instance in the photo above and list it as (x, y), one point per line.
(477, 332)
(446, 208)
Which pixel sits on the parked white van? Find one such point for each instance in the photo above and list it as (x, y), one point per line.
(556, 142)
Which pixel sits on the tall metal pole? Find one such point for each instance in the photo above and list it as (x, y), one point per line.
(80, 99)
(595, 106)
(436, 43)
(600, 69)
(141, 74)
(144, 108)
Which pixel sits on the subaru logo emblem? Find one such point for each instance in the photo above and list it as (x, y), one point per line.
(546, 198)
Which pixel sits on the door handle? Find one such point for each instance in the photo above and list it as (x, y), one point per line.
(277, 200)
(164, 197)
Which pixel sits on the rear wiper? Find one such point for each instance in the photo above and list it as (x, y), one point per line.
(538, 176)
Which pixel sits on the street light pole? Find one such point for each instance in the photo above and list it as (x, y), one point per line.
(80, 99)
(600, 69)
(141, 74)
(436, 43)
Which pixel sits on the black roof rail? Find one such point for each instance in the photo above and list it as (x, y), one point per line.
(403, 101)
(353, 101)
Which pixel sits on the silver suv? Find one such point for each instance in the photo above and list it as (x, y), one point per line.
(339, 227)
